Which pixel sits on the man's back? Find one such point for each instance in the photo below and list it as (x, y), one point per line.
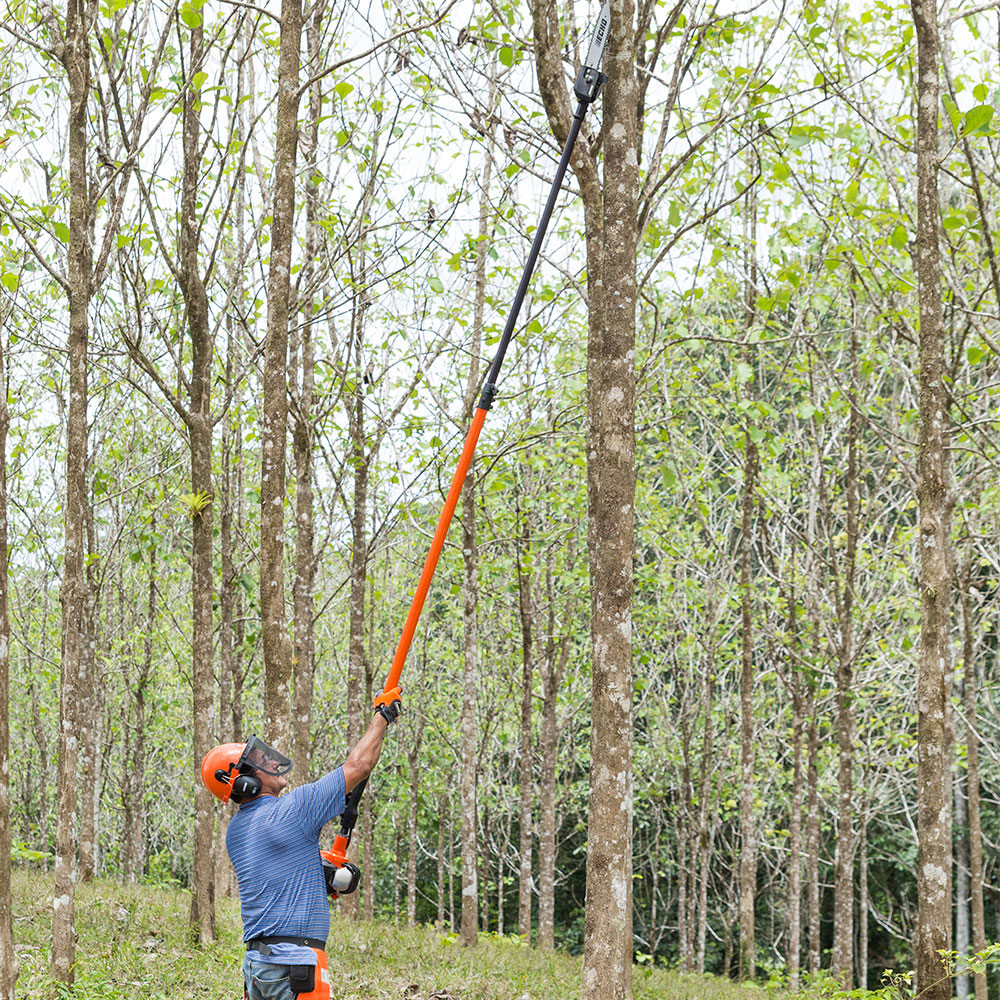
(273, 843)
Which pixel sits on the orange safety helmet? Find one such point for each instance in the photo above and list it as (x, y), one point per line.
(231, 769)
(220, 767)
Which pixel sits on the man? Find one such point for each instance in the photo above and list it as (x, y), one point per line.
(273, 844)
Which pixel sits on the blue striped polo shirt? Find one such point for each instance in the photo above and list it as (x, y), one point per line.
(273, 843)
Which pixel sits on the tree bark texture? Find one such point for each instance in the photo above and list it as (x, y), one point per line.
(974, 821)
(843, 890)
(525, 580)
(812, 833)
(470, 590)
(274, 415)
(704, 792)
(8, 957)
(751, 467)
(199, 426)
(444, 808)
(357, 660)
(795, 841)
(304, 666)
(133, 780)
(88, 717)
(413, 761)
(933, 763)
(73, 594)
(552, 667)
(228, 586)
(607, 949)
(862, 963)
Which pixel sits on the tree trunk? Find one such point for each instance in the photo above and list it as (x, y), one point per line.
(748, 821)
(812, 832)
(552, 85)
(795, 841)
(413, 759)
(443, 808)
(38, 730)
(357, 667)
(970, 703)
(607, 947)
(199, 425)
(933, 763)
(274, 416)
(707, 764)
(963, 929)
(367, 812)
(470, 675)
(228, 585)
(499, 857)
(684, 956)
(552, 667)
(302, 436)
(470, 561)
(88, 720)
(8, 957)
(525, 589)
(484, 877)
(451, 870)
(395, 876)
(134, 783)
(863, 901)
(73, 595)
(843, 890)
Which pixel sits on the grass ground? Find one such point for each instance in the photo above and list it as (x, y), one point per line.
(133, 943)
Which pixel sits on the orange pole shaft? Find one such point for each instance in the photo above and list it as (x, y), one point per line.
(430, 564)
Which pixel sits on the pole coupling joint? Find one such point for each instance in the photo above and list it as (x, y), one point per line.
(588, 84)
(489, 394)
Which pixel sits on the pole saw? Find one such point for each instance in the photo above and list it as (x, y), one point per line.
(341, 875)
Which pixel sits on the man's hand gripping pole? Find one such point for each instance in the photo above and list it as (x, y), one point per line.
(342, 876)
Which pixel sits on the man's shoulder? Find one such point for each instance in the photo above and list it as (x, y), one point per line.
(319, 801)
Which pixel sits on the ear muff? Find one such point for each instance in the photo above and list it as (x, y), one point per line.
(246, 786)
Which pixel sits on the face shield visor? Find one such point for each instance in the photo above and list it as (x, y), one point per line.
(259, 756)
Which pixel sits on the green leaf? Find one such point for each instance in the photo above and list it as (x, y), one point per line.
(343, 88)
(977, 118)
(798, 137)
(61, 231)
(898, 238)
(980, 92)
(198, 80)
(975, 354)
(436, 284)
(190, 16)
(743, 372)
(781, 171)
(507, 55)
(952, 109)
(9, 281)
